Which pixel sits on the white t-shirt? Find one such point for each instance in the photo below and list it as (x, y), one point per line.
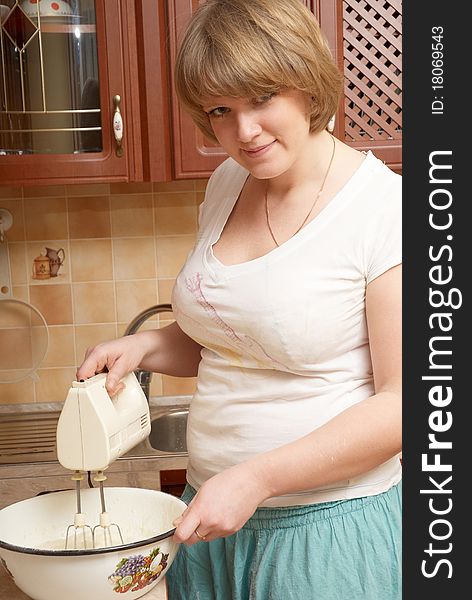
(284, 335)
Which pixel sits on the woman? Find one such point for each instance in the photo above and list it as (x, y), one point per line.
(288, 310)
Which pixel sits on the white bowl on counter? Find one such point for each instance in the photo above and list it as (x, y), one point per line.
(32, 533)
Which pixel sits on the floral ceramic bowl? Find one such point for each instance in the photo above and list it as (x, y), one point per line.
(32, 537)
(47, 8)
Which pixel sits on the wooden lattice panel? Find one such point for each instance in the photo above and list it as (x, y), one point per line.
(372, 69)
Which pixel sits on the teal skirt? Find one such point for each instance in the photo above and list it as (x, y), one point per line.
(344, 550)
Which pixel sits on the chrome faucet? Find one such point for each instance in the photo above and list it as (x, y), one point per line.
(144, 377)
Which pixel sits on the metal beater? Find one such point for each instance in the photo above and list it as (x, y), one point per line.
(93, 430)
(105, 524)
(80, 535)
(79, 526)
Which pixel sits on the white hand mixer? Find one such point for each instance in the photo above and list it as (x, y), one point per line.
(93, 430)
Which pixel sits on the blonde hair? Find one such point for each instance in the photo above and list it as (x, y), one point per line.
(249, 48)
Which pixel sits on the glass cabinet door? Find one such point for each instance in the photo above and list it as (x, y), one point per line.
(61, 86)
(50, 93)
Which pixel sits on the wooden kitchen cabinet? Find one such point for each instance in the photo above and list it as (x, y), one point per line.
(134, 44)
(59, 83)
(365, 39)
(194, 155)
(173, 481)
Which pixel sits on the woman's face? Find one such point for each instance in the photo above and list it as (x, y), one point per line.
(266, 135)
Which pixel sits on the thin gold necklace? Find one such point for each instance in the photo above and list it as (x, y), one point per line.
(312, 206)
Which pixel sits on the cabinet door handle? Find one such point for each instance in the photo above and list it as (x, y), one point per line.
(118, 125)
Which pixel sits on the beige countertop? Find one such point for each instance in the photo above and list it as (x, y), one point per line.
(9, 591)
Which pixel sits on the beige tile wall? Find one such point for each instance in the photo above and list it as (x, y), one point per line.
(123, 244)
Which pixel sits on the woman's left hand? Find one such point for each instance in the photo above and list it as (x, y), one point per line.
(222, 506)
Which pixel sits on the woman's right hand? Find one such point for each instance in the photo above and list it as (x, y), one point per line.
(167, 350)
(119, 357)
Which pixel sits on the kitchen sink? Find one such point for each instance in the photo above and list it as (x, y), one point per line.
(169, 431)
(28, 431)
